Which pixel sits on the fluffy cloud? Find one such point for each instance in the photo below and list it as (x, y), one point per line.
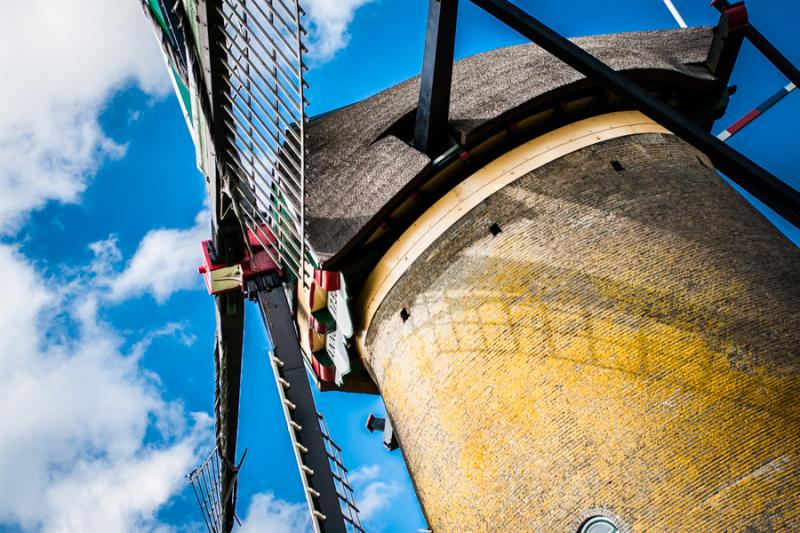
(364, 474)
(77, 411)
(329, 22)
(165, 262)
(88, 441)
(373, 495)
(267, 513)
(61, 61)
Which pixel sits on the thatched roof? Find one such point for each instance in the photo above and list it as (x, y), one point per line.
(355, 169)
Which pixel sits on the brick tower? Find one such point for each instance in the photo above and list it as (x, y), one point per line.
(569, 315)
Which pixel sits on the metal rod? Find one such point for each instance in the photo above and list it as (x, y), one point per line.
(776, 194)
(286, 225)
(265, 195)
(202, 508)
(430, 130)
(280, 242)
(274, 142)
(237, 135)
(209, 498)
(265, 245)
(275, 29)
(273, 87)
(288, 77)
(206, 517)
(273, 57)
(272, 123)
(282, 226)
(675, 13)
(293, 13)
(272, 115)
(280, 82)
(774, 55)
(750, 117)
(266, 142)
(267, 49)
(302, 125)
(204, 503)
(283, 221)
(206, 499)
(287, 125)
(213, 492)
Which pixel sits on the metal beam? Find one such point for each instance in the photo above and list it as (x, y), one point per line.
(740, 124)
(228, 372)
(775, 193)
(302, 412)
(430, 131)
(728, 38)
(774, 55)
(226, 229)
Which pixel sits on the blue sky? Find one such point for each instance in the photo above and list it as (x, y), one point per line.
(107, 333)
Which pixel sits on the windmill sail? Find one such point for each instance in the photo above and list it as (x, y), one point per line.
(263, 128)
(324, 476)
(237, 67)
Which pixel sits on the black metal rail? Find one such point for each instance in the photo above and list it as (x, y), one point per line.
(318, 458)
(773, 192)
(763, 45)
(228, 374)
(430, 133)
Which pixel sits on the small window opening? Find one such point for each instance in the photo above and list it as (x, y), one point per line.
(495, 230)
(404, 314)
(617, 166)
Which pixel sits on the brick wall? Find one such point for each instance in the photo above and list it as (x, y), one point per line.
(628, 345)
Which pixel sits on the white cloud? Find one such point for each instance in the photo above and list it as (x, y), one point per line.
(376, 497)
(175, 330)
(61, 61)
(329, 21)
(165, 262)
(372, 494)
(364, 474)
(88, 443)
(77, 409)
(120, 494)
(267, 514)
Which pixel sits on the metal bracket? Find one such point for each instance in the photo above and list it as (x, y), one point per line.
(762, 44)
(221, 278)
(383, 425)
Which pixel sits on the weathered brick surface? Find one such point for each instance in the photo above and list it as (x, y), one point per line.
(629, 343)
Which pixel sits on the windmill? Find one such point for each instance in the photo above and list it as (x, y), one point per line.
(434, 270)
(242, 98)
